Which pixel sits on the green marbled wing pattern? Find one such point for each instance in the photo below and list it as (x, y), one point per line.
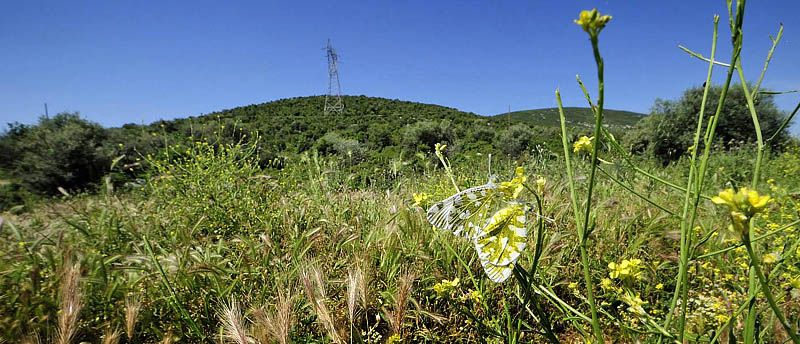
(501, 240)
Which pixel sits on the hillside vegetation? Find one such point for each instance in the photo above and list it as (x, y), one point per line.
(575, 116)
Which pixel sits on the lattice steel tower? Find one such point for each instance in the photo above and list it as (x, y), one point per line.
(333, 99)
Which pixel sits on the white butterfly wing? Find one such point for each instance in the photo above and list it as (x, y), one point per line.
(462, 212)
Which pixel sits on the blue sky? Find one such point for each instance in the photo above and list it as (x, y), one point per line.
(122, 62)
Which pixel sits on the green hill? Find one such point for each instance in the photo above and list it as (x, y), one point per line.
(575, 116)
(369, 132)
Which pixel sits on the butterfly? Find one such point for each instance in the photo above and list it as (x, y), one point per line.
(500, 238)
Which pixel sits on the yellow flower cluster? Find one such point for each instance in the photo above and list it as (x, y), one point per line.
(634, 302)
(421, 199)
(513, 188)
(583, 144)
(627, 269)
(540, 183)
(743, 205)
(445, 286)
(592, 22)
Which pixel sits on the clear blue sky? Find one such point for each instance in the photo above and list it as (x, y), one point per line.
(119, 62)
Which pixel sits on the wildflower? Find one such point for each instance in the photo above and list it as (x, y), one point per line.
(626, 269)
(473, 295)
(513, 188)
(592, 22)
(440, 148)
(747, 202)
(660, 286)
(421, 199)
(606, 284)
(395, 338)
(573, 285)
(770, 258)
(445, 287)
(635, 303)
(795, 282)
(583, 144)
(743, 205)
(690, 149)
(540, 183)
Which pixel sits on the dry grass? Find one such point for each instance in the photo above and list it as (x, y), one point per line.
(111, 336)
(132, 307)
(314, 286)
(401, 295)
(276, 325)
(234, 326)
(70, 303)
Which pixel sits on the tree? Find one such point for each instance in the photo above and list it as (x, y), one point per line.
(669, 131)
(64, 150)
(515, 139)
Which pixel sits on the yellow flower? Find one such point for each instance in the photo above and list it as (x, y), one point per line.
(770, 258)
(513, 188)
(660, 286)
(690, 149)
(626, 269)
(421, 199)
(583, 144)
(795, 283)
(540, 183)
(606, 284)
(634, 303)
(573, 285)
(743, 205)
(592, 22)
(445, 287)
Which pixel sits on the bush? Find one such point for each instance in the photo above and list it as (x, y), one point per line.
(62, 151)
(669, 131)
(423, 136)
(333, 143)
(515, 139)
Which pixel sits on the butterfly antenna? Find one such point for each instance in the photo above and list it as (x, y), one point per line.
(550, 220)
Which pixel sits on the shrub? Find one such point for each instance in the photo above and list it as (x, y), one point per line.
(669, 131)
(64, 151)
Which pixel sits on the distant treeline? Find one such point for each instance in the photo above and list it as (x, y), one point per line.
(73, 153)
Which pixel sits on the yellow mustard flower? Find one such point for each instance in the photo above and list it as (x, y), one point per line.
(592, 22)
(445, 287)
(743, 205)
(626, 269)
(583, 144)
(421, 199)
(770, 258)
(606, 284)
(540, 183)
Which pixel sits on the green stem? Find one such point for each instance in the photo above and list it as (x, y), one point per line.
(581, 229)
(756, 264)
(598, 124)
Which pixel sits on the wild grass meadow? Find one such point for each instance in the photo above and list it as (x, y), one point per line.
(211, 244)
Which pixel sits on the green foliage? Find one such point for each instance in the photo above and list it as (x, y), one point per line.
(576, 117)
(333, 143)
(669, 131)
(515, 139)
(63, 151)
(423, 136)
